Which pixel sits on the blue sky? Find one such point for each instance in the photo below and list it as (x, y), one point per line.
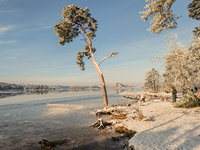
(30, 53)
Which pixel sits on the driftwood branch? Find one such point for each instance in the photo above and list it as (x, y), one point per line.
(111, 55)
(101, 124)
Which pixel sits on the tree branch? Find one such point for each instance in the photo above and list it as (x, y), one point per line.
(84, 38)
(111, 55)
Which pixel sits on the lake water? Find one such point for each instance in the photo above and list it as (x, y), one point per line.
(25, 119)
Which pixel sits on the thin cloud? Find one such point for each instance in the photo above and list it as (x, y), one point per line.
(47, 27)
(28, 28)
(12, 57)
(6, 28)
(132, 1)
(6, 11)
(8, 42)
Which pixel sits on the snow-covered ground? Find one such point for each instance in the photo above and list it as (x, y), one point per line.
(170, 129)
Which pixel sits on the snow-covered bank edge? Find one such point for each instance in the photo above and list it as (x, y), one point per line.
(171, 128)
(166, 127)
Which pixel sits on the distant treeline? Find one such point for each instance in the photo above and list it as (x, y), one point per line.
(30, 87)
(7, 86)
(84, 87)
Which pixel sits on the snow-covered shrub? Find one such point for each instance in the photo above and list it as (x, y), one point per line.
(139, 112)
(188, 100)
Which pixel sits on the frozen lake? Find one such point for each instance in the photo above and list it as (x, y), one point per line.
(25, 119)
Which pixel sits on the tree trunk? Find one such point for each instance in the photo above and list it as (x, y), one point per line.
(103, 86)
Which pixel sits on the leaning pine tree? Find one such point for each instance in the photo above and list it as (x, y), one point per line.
(79, 21)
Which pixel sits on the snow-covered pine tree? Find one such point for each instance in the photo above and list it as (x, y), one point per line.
(193, 10)
(151, 80)
(163, 16)
(194, 48)
(179, 65)
(194, 13)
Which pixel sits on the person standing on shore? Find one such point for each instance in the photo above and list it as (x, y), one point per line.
(174, 92)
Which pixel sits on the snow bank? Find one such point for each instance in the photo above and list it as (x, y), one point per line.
(172, 128)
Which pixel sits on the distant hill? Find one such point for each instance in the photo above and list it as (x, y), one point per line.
(118, 85)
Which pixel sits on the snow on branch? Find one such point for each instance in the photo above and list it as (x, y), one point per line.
(112, 54)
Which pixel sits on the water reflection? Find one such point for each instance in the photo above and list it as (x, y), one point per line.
(38, 92)
(124, 90)
(117, 90)
(6, 94)
(78, 90)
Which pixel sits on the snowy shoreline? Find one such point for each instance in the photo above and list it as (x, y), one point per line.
(169, 127)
